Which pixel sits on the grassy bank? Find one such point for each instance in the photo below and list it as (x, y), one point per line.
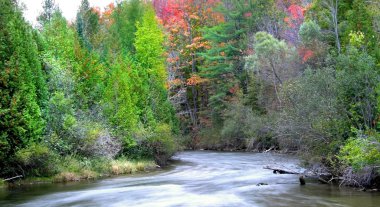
(71, 169)
(74, 170)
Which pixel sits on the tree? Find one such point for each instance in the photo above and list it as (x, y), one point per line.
(22, 82)
(123, 29)
(49, 8)
(311, 119)
(229, 43)
(271, 61)
(87, 24)
(183, 22)
(328, 13)
(149, 55)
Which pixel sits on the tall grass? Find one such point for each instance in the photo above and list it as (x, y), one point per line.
(74, 169)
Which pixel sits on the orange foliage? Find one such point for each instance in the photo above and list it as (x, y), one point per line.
(306, 54)
(195, 80)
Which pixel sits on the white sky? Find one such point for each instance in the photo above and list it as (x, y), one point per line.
(69, 8)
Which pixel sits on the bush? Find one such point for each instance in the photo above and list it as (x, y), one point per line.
(36, 160)
(310, 119)
(210, 139)
(162, 143)
(361, 151)
(245, 129)
(95, 140)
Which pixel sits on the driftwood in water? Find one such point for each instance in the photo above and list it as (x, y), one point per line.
(321, 177)
(277, 170)
(12, 178)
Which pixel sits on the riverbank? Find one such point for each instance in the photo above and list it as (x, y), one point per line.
(72, 170)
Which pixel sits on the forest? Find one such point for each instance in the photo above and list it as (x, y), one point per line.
(121, 89)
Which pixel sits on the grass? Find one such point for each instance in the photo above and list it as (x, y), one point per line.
(73, 169)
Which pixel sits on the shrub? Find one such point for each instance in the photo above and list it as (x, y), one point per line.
(95, 140)
(245, 129)
(361, 151)
(310, 119)
(162, 143)
(36, 160)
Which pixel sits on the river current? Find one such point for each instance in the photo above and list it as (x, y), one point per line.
(197, 178)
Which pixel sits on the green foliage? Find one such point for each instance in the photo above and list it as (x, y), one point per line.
(87, 25)
(123, 31)
(149, 44)
(245, 129)
(49, 8)
(358, 19)
(309, 32)
(22, 83)
(149, 56)
(36, 160)
(361, 151)
(224, 62)
(270, 54)
(311, 119)
(120, 100)
(162, 143)
(358, 78)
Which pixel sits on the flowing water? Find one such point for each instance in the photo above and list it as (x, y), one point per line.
(196, 179)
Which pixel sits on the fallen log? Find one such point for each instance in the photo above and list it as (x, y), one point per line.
(12, 178)
(268, 150)
(277, 170)
(325, 178)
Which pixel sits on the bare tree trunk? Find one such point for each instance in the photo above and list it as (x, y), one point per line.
(332, 6)
(275, 77)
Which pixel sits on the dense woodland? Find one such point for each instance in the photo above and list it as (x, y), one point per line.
(140, 80)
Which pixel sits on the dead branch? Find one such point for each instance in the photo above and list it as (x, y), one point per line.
(12, 178)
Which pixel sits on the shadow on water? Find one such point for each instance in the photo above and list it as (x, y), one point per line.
(200, 178)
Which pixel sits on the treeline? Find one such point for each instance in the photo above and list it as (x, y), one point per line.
(295, 75)
(76, 95)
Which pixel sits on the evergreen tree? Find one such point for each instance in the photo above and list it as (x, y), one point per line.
(125, 17)
(87, 24)
(22, 83)
(224, 62)
(149, 55)
(49, 8)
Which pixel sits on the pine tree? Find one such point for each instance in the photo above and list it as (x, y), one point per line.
(224, 62)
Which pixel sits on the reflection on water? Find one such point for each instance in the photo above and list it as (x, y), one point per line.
(196, 179)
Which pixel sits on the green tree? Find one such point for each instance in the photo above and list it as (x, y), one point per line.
(271, 61)
(87, 24)
(229, 40)
(49, 8)
(21, 83)
(149, 55)
(125, 16)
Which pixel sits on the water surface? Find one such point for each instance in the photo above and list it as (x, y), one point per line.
(196, 179)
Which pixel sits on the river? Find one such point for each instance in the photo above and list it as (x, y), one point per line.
(198, 178)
